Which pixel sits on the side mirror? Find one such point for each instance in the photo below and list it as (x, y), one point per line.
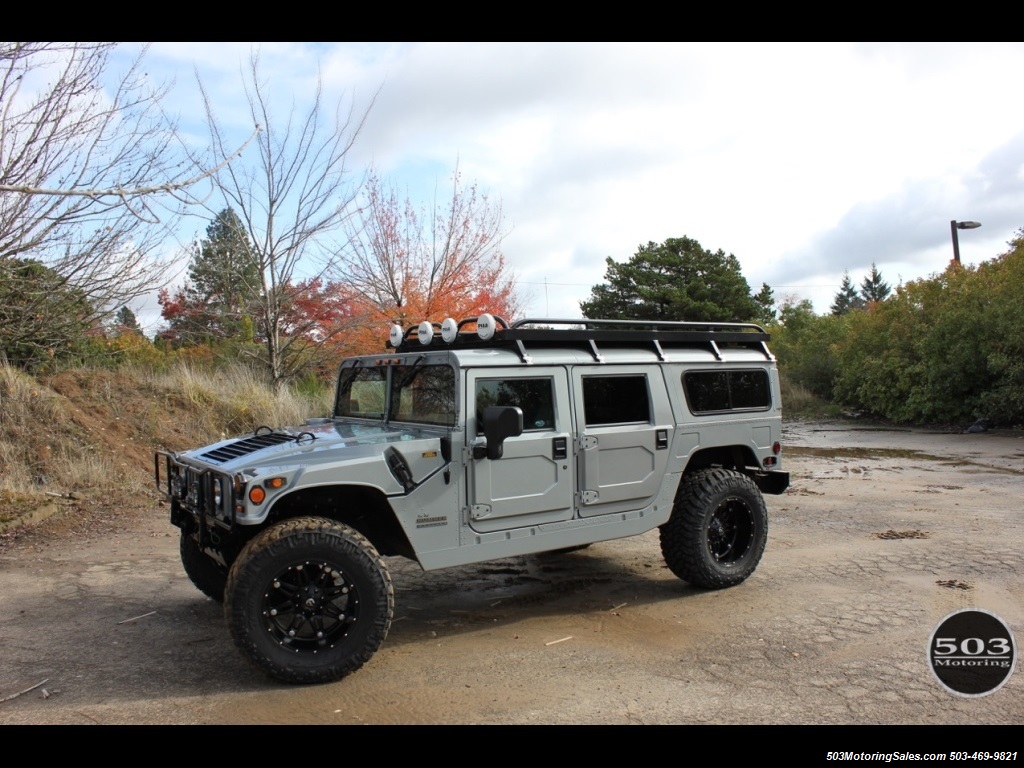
(501, 422)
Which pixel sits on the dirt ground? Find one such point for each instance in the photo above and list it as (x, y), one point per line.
(882, 533)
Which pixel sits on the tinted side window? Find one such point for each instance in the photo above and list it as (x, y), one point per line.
(615, 400)
(712, 391)
(534, 396)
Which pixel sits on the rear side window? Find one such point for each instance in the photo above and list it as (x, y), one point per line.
(717, 391)
(616, 400)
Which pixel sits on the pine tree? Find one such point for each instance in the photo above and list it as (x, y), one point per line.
(675, 280)
(223, 282)
(846, 298)
(126, 322)
(223, 274)
(873, 288)
(765, 301)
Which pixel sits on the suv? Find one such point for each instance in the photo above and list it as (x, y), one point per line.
(471, 441)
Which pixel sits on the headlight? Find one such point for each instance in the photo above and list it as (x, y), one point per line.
(178, 485)
(218, 494)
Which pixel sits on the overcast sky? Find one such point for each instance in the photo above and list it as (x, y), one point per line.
(801, 159)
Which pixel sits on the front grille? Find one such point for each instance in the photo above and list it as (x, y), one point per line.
(246, 446)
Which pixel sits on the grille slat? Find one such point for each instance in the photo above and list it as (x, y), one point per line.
(246, 446)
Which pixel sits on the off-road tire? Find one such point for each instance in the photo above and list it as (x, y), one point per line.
(208, 576)
(309, 600)
(718, 529)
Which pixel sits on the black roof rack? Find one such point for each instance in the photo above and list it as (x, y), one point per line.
(588, 334)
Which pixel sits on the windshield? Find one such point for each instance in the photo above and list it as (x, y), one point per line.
(419, 393)
(423, 394)
(362, 393)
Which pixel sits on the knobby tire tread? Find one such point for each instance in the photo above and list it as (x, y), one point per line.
(298, 533)
(684, 536)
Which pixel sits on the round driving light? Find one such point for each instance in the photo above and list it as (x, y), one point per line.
(425, 332)
(449, 330)
(395, 337)
(485, 327)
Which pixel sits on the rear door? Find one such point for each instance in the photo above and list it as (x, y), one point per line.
(623, 448)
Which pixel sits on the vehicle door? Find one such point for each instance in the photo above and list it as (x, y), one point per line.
(623, 448)
(533, 482)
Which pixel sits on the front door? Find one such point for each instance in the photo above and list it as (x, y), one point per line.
(533, 482)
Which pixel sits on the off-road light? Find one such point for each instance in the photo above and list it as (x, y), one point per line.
(425, 332)
(449, 330)
(485, 327)
(395, 337)
(257, 495)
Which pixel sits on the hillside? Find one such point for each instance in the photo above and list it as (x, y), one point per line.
(80, 443)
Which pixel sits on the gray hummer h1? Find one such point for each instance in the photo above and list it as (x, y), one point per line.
(470, 441)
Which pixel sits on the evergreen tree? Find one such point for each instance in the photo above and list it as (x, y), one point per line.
(846, 298)
(126, 322)
(223, 283)
(674, 280)
(873, 288)
(765, 301)
(224, 274)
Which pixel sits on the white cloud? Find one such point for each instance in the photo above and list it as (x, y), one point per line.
(801, 159)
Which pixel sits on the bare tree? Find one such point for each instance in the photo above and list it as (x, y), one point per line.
(84, 166)
(291, 200)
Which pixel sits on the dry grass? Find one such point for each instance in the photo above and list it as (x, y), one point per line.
(798, 402)
(92, 429)
(236, 400)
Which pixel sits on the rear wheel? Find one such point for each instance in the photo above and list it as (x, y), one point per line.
(309, 600)
(718, 529)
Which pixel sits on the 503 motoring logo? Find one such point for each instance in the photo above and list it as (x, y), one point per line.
(972, 652)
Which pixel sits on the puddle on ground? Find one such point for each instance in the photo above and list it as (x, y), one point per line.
(883, 454)
(861, 453)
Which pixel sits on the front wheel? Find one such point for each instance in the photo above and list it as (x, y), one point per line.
(718, 529)
(208, 576)
(309, 600)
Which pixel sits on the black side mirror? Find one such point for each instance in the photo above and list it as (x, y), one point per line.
(501, 422)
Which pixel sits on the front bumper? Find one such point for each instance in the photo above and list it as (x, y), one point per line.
(200, 496)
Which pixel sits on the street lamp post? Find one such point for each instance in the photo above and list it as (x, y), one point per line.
(954, 225)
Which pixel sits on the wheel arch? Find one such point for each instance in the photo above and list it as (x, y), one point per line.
(738, 457)
(364, 508)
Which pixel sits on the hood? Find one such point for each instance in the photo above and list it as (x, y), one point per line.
(325, 440)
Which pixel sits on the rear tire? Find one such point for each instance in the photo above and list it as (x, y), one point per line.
(718, 529)
(309, 600)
